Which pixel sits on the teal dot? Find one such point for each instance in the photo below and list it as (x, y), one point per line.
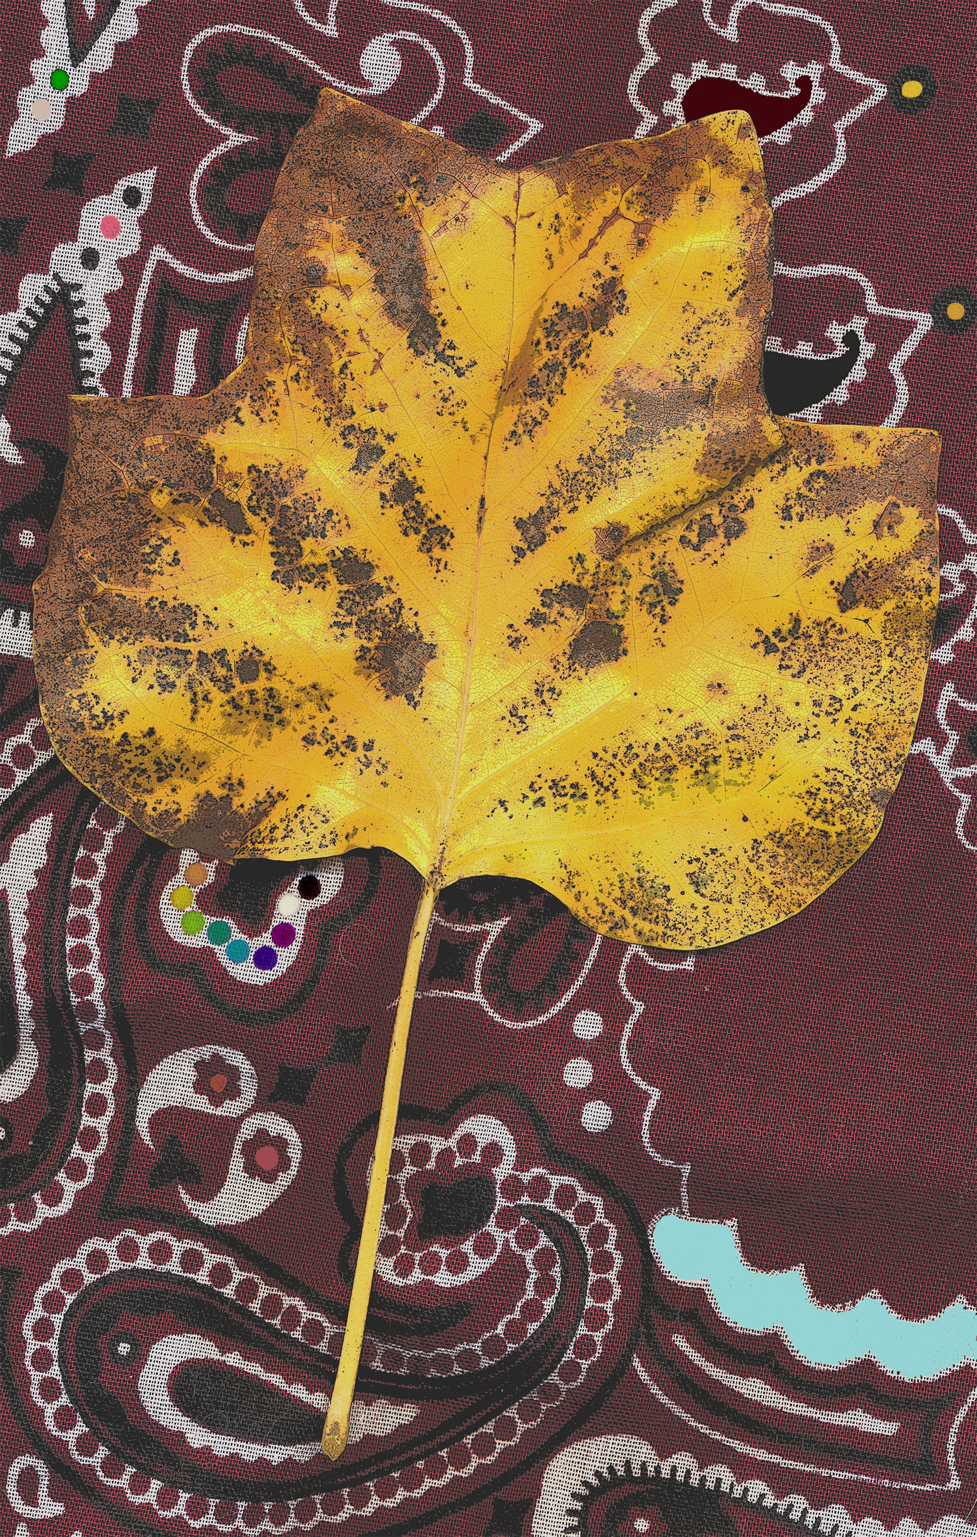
(192, 922)
(237, 950)
(219, 933)
(59, 79)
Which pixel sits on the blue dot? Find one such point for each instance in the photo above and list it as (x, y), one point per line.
(265, 957)
(237, 950)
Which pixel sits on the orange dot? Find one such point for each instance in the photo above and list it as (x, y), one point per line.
(218, 1083)
(955, 311)
(912, 88)
(195, 874)
(181, 897)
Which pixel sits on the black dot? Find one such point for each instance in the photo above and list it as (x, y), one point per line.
(955, 297)
(309, 887)
(131, 196)
(89, 258)
(910, 105)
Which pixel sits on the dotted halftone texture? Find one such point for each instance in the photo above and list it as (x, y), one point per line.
(809, 1089)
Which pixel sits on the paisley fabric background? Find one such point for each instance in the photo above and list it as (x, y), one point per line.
(674, 1244)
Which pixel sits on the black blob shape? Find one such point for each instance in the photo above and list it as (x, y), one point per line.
(89, 258)
(945, 622)
(971, 740)
(293, 1085)
(955, 294)
(6, 1135)
(910, 105)
(711, 94)
(508, 1517)
(233, 1404)
(131, 196)
(480, 132)
(173, 1165)
(133, 117)
(483, 898)
(794, 383)
(450, 1211)
(250, 884)
(347, 1046)
(125, 1349)
(68, 172)
(11, 230)
(451, 961)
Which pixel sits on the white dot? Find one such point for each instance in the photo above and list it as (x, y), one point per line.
(588, 1024)
(27, 540)
(641, 1525)
(288, 904)
(577, 1073)
(380, 63)
(41, 109)
(596, 1115)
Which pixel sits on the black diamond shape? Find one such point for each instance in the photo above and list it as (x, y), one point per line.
(133, 116)
(450, 1211)
(451, 961)
(293, 1085)
(10, 233)
(174, 1164)
(68, 172)
(508, 1517)
(347, 1046)
(480, 132)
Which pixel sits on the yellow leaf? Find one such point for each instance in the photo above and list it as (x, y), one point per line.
(492, 553)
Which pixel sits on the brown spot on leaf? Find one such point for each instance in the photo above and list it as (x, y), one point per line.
(609, 538)
(888, 521)
(217, 828)
(231, 514)
(597, 642)
(567, 595)
(248, 669)
(399, 660)
(351, 569)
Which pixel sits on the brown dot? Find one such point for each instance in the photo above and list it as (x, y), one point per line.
(195, 874)
(218, 1083)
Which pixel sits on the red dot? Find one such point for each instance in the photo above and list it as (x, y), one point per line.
(544, 1286)
(459, 1457)
(431, 1262)
(97, 1262)
(595, 1319)
(220, 1275)
(166, 1497)
(110, 228)
(527, 1237)
(446, 1160)
(78, 926)
(85, 1011)
(457, 1262)
(95, 1106)
(397, 1161)
(160, 1252)
(484, 1245)
(436, 1466)
(388, 1246)
(585, 1347)
(397, 1217)
(79, 955)
(492, 1155)
(72, 1280)
(75, 1170)
(7, 776)
(270, 1306)
(420, 1155)
(514, 1330)
(359, 1498)
(538, 1188)
(505, 1428)
(107, 818)
(267, 1157)
(412, 1478)
(468, 1360)
(97, 1071)
(22, 756)
(93, 841)
(128, 1250)
(403, 1266)
(43, 1329)
(603, 1261)
(493, 1346)
(483, 1445)
(191, 1261)
(82, 984)
(42, 1360)
(290, 1320)
(252, 1515)
(245, 1291)
(313, 1332)
(545, 1259)
(196, 1506)
(86, 1445)
(25, 1211)
(305, 1510)
(584, 1213)
(467, 1145)
(81, 896)
(66, 1419)
(85, 868)
(441, 1363)
(532, 1310)
(139, 1484)
(385, 1487)
(49, 1389)
(512, 1187)
(569, 1371)
(40, 739)
(88, 1137)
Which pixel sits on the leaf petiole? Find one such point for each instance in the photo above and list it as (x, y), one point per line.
(336, 1428)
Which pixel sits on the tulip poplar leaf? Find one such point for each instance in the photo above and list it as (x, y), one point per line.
(492, 553)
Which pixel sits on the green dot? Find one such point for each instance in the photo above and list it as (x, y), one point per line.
(192, 923)
(59, 79)
(219, 933)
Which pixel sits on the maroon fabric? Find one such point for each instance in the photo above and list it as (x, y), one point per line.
(674, 1244)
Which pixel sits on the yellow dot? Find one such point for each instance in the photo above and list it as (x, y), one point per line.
(181, 897)
(912, 88)
(41, 109)
(955, 311)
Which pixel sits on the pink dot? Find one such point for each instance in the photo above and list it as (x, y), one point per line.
(110, 226)
(267, 1158)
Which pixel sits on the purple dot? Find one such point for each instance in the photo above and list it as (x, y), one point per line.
(283, 934)
(265, 957)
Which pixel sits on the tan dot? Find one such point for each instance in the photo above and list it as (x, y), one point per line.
(218, 1083)
(195, 874)
(955, 311)
(41, 109)
(912, 88)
